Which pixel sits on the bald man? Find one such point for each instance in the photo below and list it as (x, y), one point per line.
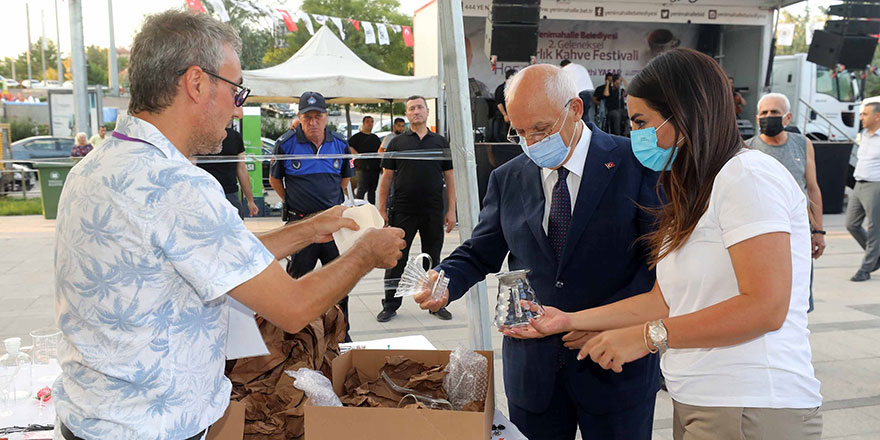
(567, 212)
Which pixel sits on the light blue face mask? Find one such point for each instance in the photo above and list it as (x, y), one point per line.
(646, 150)
(551, 151)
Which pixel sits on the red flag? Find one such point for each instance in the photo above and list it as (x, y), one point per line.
(355, 23)
(288, 20)
(407, 36)
(196, 6)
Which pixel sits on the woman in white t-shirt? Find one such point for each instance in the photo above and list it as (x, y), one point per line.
(732, 253)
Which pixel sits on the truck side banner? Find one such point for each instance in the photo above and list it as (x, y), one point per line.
(601, 47)
(661, 12)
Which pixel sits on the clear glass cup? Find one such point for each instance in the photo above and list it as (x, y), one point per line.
(23, 383)
(513, 289)
(8, 371)
(45, 348)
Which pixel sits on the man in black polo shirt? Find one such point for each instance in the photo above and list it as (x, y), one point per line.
(227, 172)
(365, 141)
(613, 94)
(418, 197)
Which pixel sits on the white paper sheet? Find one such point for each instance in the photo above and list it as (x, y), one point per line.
(243, 338)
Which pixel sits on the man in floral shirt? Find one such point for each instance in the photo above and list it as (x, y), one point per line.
(147, 249)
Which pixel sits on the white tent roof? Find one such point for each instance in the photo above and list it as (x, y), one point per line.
(327, 66)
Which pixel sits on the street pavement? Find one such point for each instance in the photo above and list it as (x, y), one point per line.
(845, 325)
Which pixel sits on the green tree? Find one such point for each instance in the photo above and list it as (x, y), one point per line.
(36, 64)
(256, 37)
(97, 65)
(394, 58)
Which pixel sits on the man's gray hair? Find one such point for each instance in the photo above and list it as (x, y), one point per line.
(170, 42)
(559, 86)
(786, 104)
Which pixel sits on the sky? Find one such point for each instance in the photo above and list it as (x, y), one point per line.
(128, 16)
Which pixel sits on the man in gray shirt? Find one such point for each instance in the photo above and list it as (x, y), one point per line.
(864, 201)
(796, 153)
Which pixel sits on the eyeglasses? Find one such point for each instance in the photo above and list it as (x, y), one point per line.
(513, 135)
(241, 92)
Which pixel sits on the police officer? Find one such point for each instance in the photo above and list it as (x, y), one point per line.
(309, 186)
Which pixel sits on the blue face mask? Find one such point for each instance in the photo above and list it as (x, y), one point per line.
(549, 152)
(646, 150)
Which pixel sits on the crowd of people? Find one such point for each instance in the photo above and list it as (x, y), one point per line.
(680, 240)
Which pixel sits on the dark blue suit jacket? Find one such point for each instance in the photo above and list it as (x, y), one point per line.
(602, 263)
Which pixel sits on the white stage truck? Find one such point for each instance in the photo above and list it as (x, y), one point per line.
(815, 90)
(622, 37)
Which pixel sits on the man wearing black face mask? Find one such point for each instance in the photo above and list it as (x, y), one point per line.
(794, 151)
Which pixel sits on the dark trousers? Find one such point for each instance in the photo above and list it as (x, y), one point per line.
(587, 97)
(561, 420)
(304, 262)
(429, 225)
(616, 120)
(368, 181)
(235, 201)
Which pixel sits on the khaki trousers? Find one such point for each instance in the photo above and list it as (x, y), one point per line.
(691, 422)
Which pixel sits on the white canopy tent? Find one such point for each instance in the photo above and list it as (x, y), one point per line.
(327, 66)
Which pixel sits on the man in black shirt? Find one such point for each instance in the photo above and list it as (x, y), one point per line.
(227, 172)
(367, 170)
(418, 197)
(614, 97)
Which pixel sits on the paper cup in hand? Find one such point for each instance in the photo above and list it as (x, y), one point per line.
(366, 216)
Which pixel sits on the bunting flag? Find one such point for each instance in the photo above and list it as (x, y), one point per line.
(264, 9)
(785, 34)
(338, 22)
(383, 34)
(378, 35)
(247, 7)
(307, 20)
(321, 19)
(288, 20)
(408, 36)
(196, 6)
(220, 9)
(369, 34)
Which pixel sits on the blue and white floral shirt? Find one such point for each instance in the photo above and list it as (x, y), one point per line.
(146, 249)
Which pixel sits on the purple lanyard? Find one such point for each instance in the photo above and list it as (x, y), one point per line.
(125, 137)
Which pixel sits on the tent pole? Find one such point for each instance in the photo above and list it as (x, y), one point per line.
(348, 119)
(461, 140)
(391, 115)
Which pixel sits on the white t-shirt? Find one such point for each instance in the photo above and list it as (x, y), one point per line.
(753, 195)
(581, 76)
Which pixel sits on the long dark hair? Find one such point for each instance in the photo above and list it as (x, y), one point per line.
(693, 90)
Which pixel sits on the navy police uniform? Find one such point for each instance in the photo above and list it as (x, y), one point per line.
(310, 186)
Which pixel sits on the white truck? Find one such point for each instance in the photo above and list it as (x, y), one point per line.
(825, 105)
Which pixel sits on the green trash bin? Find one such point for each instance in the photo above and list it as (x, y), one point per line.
(52, 177)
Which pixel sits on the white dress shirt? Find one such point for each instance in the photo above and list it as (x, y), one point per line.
(575, 165)
(868, 166)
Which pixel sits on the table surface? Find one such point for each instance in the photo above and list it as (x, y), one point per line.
(29, 411)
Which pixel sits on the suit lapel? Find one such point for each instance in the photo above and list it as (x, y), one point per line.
(533, 202)
(596, 177)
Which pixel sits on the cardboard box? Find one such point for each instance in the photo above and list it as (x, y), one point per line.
(323, 423)
(231, 425)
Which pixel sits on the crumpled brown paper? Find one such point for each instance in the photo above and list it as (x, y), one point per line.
(362, 390)
(275, 408)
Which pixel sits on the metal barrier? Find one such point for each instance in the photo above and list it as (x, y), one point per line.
(17, 182)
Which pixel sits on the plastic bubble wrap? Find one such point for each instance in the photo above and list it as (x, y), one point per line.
(467, 378)
(316, 386)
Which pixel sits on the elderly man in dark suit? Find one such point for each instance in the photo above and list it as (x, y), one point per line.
(567, 210)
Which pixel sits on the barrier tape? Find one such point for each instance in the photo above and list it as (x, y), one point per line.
(402, 155)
